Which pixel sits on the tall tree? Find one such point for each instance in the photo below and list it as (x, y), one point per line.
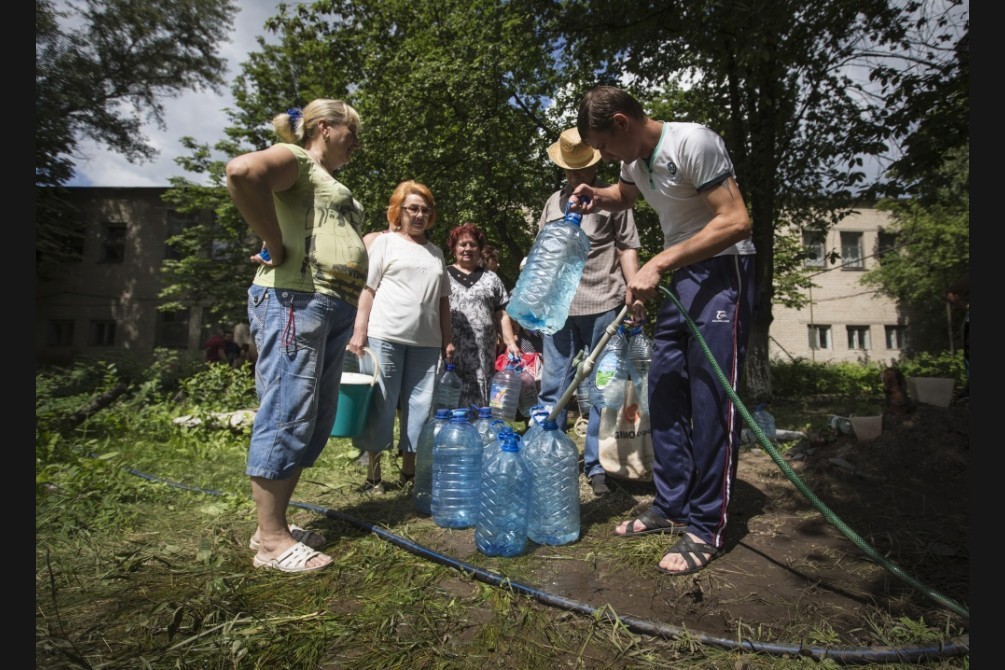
(102, 69)
(453, 94)
(792, 86)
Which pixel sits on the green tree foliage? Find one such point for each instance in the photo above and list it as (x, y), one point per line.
(932, 252)
(453, 94)
(793, 87)
(103, 69)
(466, 98)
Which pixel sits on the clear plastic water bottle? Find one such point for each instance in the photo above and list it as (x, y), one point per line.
(640, 359)
(547, 284)
(501, 523)
(553, 461)
(448, 389)
(612, 372)
(766, 422)
(534, 426)
(483, 424)
(504, 392)
(423, 485)
(457, 472)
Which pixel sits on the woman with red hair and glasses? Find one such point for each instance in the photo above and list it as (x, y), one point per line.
(404, 318)
(477, 315)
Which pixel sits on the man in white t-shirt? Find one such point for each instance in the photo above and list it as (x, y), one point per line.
(685, 173)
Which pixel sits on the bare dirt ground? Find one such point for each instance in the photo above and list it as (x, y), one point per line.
(789, 572)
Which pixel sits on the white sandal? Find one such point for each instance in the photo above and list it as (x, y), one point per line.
(294, 559)
(299, 534)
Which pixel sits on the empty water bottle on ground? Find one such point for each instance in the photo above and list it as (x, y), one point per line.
(553, 461)
(612, 372)
(504, 391)
(448, 389)
(640, 359)
(765, 422)
(457, 472)
(501, 524)
(423, 486)
(548, 282)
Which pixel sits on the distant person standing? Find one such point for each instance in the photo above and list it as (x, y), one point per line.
(684, 172)
(612, 261)
(301, 309)
(216, 347)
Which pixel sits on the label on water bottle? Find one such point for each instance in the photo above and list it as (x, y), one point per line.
(607, 371)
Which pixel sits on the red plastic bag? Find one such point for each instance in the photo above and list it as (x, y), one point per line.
(530, 361)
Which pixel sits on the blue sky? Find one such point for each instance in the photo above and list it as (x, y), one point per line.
(199, 115)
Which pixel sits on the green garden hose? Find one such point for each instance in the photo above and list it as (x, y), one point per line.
(800, 485)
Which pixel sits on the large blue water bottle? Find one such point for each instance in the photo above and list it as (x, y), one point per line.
(547, 284)
(423, 487)
(457, 472)
(553, 461)
(612, 373)
(501, 525)
(504, 391)
(448, 389)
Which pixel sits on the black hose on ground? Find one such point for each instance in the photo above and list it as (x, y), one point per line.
(849, 655)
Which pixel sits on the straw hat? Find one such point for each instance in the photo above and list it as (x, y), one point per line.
(571, 153)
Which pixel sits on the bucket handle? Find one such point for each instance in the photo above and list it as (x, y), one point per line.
(373, 359)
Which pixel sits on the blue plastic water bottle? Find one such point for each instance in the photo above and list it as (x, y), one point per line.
(553, 461)
(457, 472)
(423, 485)
(501, 525)
(547, 284)
(448, 389)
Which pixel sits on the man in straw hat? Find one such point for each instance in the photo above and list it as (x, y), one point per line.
(612, 262)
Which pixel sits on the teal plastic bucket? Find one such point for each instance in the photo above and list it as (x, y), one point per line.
(354, 396)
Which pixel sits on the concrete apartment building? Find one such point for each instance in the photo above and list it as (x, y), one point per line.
(845, 320)
(108, 301)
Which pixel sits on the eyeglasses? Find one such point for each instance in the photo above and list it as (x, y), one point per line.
(415, 210)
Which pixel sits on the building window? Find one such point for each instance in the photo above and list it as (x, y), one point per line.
(820, 337)
(851, 251)
(113, 241)
(858, 337)
(813, 246)
(177, 222)
(896, 337)
(172, 329)
(102, 334)
(886, 244)
(60, 333)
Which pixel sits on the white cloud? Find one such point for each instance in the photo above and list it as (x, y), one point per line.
(196, 114)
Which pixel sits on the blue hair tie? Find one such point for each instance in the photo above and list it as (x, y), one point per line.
(295, 114)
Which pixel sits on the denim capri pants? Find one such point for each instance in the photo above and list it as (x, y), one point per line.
(301, 339)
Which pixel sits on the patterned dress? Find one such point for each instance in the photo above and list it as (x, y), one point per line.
(474, 300)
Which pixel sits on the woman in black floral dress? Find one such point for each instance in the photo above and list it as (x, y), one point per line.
(477, 315)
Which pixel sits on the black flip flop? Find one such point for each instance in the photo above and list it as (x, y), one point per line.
(690, 550)
(654, 522)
